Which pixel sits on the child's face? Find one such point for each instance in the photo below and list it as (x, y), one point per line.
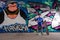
(12, 7)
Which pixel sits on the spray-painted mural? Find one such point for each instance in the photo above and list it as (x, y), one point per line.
(29, 16)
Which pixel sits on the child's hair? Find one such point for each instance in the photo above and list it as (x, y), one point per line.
(39, 14)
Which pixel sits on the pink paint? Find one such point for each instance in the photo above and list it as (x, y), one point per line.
(57, 27)
(37, 7)
(35, 26)
(48, 23)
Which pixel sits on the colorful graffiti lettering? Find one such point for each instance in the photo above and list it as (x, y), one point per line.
(48, 9)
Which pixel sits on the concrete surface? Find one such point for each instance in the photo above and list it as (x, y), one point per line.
(29, 36)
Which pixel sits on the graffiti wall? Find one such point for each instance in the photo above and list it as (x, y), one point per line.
(29, 16)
